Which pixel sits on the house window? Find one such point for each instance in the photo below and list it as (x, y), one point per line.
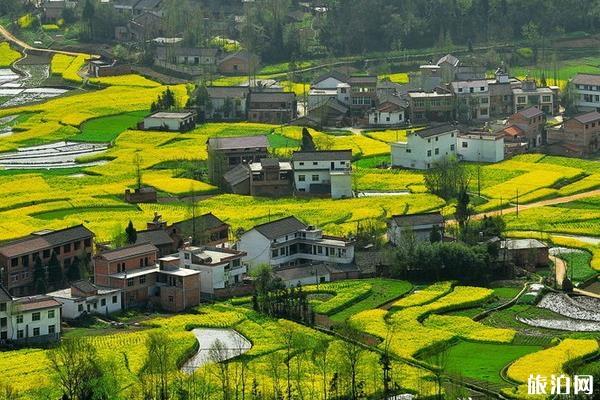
(51, 314)
(437, 151)
(521, 100)
(14, 262)
(20, 319)
(301, 178)
(56, 250)
(437, 138)
(46, 253)
(171, 299)
(451, 147)
(315, 163)
(36, 331)
(80, 308)
(35, 316)
(315, 178)
(77, 245)
(142, 280)
(20, 334)
(130, 282)
(465, 144)
(114, 299)
(428, 153)
(301, 163)
(482, 88)
(274, 253)
(546, 99)
(51, 329)
(103, 302)
(67, 248)
(3, 322)
(428, 140)
(408, 150)
(2, 307)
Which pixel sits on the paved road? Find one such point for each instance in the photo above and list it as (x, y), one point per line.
(11, 38)
(543, 203)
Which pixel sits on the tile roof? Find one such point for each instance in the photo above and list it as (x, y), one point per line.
(236, 175)
(242, 54)
(327, 155)
(205, 221)
(586, 79)
(148, 4)
(162, 51)
(587, 117)
(272, 97)
(418, 219)
(238, 142)
(35, 303)
(530, 112)
(4, 295)
(128, 251)
(281, 227)
(43, 240)
(335, 74)
(513, 130)
(436, 130)
(157, 237)
(332, 103)
(227, 91)
(362, 79)
(450, 59)
(84, 286)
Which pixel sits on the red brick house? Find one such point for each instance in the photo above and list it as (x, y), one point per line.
(579, 135)
(532, 121)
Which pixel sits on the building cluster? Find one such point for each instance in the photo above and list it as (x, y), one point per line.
(242, 165)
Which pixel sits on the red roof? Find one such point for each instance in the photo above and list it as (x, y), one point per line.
(36, 303)
(513, 131)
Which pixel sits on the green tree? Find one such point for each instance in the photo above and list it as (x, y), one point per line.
(55, 272)
(158, 367)
(131, 233)
(308, 143)
(73, 270)
(39, 275)
(87, 15)
(463, 210)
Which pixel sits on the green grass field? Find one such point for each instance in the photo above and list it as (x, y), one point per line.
(578, 265)
(107, 129)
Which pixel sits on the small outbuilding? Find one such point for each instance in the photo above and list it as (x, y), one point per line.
(170, 121)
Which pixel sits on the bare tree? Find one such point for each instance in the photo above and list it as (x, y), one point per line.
(321, 360)
(155, 373)
(352, 352)
(219, 354)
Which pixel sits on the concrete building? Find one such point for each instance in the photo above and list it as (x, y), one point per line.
(473, 99)
(289, 242)
(225, 153)
(579, 136)
(586, 90)
(525, 253)
(227, 103)
(272, 107)
(532, 121)
(269, 178)
(529, 95)
(448, 65)
(205, 58)
(424, 147)
(83, 297)
(391, 110)
(480, 146)
(437, 105)
(100, 68)
(219, 268)
(17, 257)
(501, 94)
(239, 63)
(171, 121)
(329, 80)
(363, 93)
(324, 173)
(420, 226)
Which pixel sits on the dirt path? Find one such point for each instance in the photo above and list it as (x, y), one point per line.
(12, 38)
(560, 270)
(543, 203)
(586, 293)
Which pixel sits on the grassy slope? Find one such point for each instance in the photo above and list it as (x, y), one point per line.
(106, 129)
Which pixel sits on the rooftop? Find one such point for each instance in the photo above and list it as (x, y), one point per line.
(521, 244)
(172, 115)
(158, 237)
(134, 273)
(35, 303)
(44, 239)
(450, 59)
(272, 96)
(238, 142)
(227, 91)
(338, 75)
(435, 130)
(587, 117)
(418, 219)
(531, 112)
(128, 252)
(281, 227)
(179, 272)
(586, 79)
(205, 222)
(327, 155)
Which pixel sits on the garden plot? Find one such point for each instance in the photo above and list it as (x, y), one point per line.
(233, 345)
(571, 325)
(564, 305)
(50, 156)
(19, 90)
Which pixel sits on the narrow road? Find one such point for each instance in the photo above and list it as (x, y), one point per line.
(543, 203)
(12, 38)
(586, 293)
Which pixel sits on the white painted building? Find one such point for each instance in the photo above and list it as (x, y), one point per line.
(586, 89)
(170, 121)
(219, 267)
(390, 111)
(33, 319)
(83, 297)
(289, 242)
(480, 147)
(317, 97)
(329, 81)
(473, 98)
(323, 173)
(422, 148)
(420, 226)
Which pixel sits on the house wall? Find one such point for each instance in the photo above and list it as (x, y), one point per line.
(321, 170)
(27, 328)
(235, 66)
(535, 128)
(5, 320)
(327, 84)
(257, 247)
(171, 124)
(222, 161)
(585, 137)
(308, 280)
(76, 307)
(238, 108)
(386, 118)
(420, 232)
(341, 186)
(542, 99)
(587, 97)
(480, 150)
(104, 268)
(420, 153)
(185, 293)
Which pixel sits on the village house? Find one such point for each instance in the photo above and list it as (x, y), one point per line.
(501, 94)
(480, 146)
(170, 121)
(420, 226)
(425, 146)
(386, 87)
(330, 113)
(329, 80)
(142, 28)
(473, 99)
(272, 107)
(225, 153)
(83, 297)
(219, 268)
(227, 103)
(586, 91)
(323, 173)
(437, 105)
(390, 111)
(17, 257)
(532, 122)
(34, 319)
(429, 78)
(317, 274)
(529, 94)
(201, 58)
(579, 135)
(269, 177)
(448, 67)
(239, 63)
(100, 68)
(363, 93)
(145, 279)
(53, 9)
(525, 253)
(289, 242)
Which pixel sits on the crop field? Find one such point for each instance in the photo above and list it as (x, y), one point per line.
(7, 55)
(68, 67)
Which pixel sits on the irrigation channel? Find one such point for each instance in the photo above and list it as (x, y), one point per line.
(234, 344)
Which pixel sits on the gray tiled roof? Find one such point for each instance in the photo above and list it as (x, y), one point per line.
(272, 97)
(238, 142)
(281, 227)
(328, 155)
(157, 237)
(358, 79)
(236, 175)
(129, 251)
(186, 51)
(435, 130)
(84, 286)
(530, 112)
(587, 117)
(335, 74)
(227, 91)
(450, 59)
(418, 219)
(586, 79)
(205, 221)
(43, 240)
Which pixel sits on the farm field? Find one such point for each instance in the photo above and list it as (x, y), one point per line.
(7, 55)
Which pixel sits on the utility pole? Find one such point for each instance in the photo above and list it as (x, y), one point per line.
(517, 203)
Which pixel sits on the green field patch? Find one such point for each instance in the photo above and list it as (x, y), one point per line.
(107, 129)
(372, 162)
(591, 203)
(277, 141)
(66, 212)
(578, 265)
(481, 361)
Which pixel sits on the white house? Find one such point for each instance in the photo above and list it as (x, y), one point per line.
(219, 267)
(473, 98)
(5, 308)
(586, 89)
(424, 147)
(480, 147)
(83, 297)
(420, 226)
(323, 173)
(34, 319)
(390, 111)
(170, 121)
(289, 242)
(329, 81)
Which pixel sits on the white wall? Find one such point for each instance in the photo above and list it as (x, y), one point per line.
(28, 325)
(309, 280)
(381, 118)
(257, 247)
(158, 123)
(320, 168)
(420, 153)
(341, 185)
(71, 309)
(329, 83)
(480, 150)
(420, 232)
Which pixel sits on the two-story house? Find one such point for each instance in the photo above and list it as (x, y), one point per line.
(363, 93)
(586, 91)
(204, 58)
(532, 122)
(480, 146)
(227, 103)
(437, 105)
(17, 257)
(579, 135)
(323, 173)
(272, 107)
(225, 153)
(83, 297)
(420, 226)
(290, 242)
(424, 147)
(473, 99)
(530, 95)
(269, 177)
